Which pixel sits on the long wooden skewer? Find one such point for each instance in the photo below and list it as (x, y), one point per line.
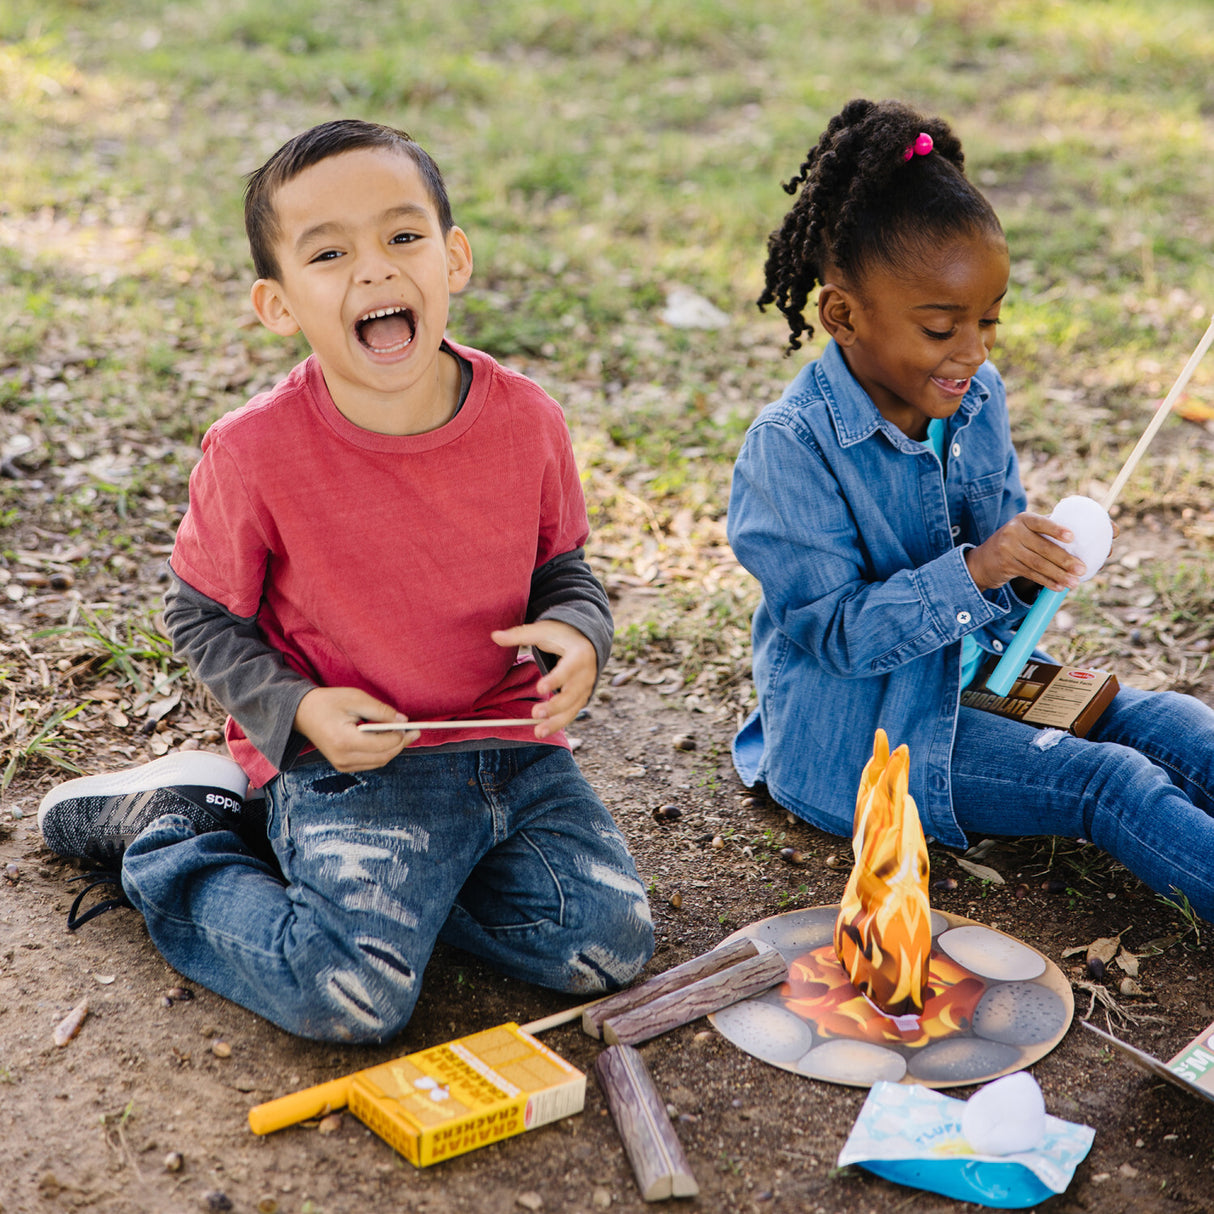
(409, 726)
(1160, 416)
(1033, 626)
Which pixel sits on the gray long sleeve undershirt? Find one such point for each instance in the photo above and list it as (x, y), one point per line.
(228, 654)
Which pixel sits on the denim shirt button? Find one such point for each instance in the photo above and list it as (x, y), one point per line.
(997, 646)
(963, 617)
(956, 451)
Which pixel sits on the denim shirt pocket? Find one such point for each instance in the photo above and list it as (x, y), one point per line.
(983, 501)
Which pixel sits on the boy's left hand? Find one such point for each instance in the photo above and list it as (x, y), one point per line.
(570, 681)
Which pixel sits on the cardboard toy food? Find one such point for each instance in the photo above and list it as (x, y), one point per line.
(883, 934)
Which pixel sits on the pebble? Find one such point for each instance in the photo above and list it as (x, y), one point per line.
(330, 1124)
(267, 1205)
(600, 1199)
(221, 1049)
(684, 741)
(529, 1200)
(174, 1161)
(216, 1201)
(833, 861)
(717, 843)
(676, 900)
(181, 994)
(12, 872)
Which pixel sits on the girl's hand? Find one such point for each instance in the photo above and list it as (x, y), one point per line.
(329, 717)
(570, 681)
(1023, 548)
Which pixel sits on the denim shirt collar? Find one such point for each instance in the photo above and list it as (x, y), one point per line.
(851, 409)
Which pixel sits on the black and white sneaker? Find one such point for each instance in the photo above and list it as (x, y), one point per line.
(96, 817)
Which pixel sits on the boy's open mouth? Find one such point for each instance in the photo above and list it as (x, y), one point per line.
(386, 330)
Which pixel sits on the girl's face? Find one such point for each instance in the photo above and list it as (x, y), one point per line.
(913, 342)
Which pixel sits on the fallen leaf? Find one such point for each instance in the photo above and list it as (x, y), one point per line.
(1194, 410)
(1128, 962)
(981, 871)
(1104, 949)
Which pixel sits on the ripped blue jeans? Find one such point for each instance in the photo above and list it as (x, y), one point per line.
(1141, 786)
(507, 853)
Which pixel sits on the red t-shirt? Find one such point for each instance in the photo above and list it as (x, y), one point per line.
(384, 561)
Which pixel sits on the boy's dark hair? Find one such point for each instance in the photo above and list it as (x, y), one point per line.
(862, 203)
(311, 147)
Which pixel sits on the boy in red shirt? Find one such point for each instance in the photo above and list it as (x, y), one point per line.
(373, 541)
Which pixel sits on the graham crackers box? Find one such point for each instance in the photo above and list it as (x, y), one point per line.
(1057, 697)
(465, 1094)
(1191, 1070)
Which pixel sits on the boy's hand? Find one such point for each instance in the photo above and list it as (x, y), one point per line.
(570, 681)
(329, 716)
(1024, 548)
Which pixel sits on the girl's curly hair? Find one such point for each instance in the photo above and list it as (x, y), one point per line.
(862, 203)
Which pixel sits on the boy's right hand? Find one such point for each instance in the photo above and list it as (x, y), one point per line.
(1024, 548)
(329, 718)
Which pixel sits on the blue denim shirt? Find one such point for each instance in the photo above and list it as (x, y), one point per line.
(857, 537)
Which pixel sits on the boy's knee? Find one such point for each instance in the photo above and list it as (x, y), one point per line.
(369, 997)
(616, 949)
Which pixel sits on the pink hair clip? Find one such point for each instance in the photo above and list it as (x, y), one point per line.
(922, 145)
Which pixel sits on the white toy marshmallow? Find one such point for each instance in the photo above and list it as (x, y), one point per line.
(1005, 1117)
(1092, 528)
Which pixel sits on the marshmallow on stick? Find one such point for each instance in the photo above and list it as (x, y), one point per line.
(1089, 531)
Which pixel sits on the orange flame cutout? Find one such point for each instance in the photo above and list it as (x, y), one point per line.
(883, 935)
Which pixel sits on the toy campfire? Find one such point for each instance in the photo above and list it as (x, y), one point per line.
(883, 987)
(883, 935)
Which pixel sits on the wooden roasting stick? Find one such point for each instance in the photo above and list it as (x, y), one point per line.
(657, 1159)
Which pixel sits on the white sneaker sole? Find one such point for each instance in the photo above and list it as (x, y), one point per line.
(187, 768)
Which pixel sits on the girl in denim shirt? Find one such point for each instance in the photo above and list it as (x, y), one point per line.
(878, 503)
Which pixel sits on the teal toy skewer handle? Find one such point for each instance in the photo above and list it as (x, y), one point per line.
(1025, 641)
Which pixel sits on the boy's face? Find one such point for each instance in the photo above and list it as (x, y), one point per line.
(914, 343)
(366, 274)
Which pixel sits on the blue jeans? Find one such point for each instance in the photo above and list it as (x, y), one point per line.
(1140, 786)
(506, 853)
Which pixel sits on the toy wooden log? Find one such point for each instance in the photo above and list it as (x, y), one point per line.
(300, 1106)
(657, 1159)
(712, 962)
(689, 1003)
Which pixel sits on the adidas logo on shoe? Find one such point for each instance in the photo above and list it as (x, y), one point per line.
(96, 817)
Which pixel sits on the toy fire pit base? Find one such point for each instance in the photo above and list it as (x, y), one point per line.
(994, 1005)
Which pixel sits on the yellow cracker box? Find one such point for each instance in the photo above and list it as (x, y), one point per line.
(465, 1094)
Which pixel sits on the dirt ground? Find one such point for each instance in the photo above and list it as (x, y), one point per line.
(141, 1111)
